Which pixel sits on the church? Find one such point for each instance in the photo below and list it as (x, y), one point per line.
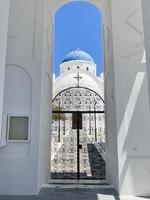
(78, 89)
(35, 105)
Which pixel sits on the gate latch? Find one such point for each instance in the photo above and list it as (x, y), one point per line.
(80, 146)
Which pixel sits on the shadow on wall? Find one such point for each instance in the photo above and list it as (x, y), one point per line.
(125, 137)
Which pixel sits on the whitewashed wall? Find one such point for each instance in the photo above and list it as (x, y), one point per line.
(72, 65)
(24, 165)
(146, 22)
(30, 42)
(4, 17)
(131, 94)
(111, 133)
(46, 99)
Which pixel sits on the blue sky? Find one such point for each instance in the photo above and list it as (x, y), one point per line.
(78, 25)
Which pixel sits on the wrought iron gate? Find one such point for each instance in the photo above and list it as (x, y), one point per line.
(78, 136)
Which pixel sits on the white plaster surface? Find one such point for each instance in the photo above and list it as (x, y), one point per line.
(133, 198)
(4, 16)
(131, 95)
(88, 80)
(146, 21)
(24, 167)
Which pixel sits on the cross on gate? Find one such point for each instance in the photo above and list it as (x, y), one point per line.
(78, 77)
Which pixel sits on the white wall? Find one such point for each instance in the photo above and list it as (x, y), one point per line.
(46, 99)
(111, 133)
(4, 16)
(131, 95)
(67, 79)
(146, 21)
(72, 65)
(30, 42)
(23, 167)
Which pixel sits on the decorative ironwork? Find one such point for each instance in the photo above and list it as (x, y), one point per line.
(78, 99)
(78, 122)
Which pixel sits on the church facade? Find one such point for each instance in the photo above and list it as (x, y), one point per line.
(78, 89)
(26, 82)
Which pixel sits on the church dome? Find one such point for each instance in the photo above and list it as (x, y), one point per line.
(78, 55)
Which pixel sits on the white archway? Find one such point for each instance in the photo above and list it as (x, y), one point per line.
(29, 44)
(105, 8)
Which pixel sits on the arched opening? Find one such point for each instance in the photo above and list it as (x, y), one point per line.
(29, 47)
(78, 71)
(36, 57)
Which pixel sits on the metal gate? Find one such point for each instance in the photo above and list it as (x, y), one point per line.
(78, 136)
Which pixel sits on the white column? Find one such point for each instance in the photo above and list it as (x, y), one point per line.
(146, 21)
(4, 16)
(131, 97)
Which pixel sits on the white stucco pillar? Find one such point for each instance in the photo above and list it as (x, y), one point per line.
(131, 96)
(4, 16)
(146, 21)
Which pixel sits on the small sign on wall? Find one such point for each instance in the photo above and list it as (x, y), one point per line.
(18, 128)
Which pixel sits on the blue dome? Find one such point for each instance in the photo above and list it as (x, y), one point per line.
(78, 55)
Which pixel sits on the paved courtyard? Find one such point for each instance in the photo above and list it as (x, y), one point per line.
(57, 193)
(69, 194)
